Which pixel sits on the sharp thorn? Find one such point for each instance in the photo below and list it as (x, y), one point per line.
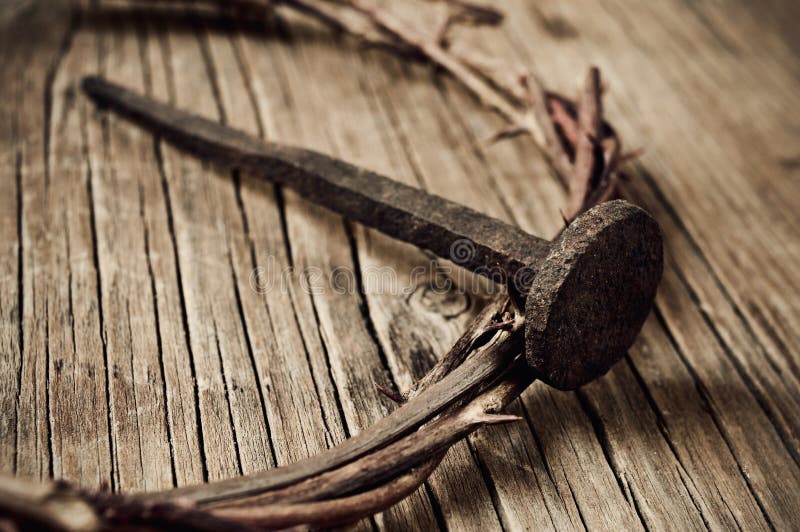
(500, 325)
(593, 139)
(564, 217)
(396, 397)
(499, 419)
(630, 155)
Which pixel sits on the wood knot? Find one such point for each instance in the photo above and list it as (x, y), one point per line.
(448, 300)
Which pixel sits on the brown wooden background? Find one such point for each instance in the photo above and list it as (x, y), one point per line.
(136, 355)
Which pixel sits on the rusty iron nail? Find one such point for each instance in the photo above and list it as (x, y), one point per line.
(586, 294)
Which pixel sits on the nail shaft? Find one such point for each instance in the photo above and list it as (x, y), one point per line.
(403, 212)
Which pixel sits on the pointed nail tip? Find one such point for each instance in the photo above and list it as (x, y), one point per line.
(90, 83)
(95, 87)
(90, 86)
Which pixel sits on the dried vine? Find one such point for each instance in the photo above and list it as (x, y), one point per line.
(466, 390)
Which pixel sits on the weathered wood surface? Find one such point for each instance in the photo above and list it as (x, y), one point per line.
(137, 355)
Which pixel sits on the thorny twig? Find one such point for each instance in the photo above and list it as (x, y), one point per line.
(513, 92)
(469, 386)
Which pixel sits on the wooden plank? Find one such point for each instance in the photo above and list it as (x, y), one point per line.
(319, 246)
(118, 154)
(303, 404)
(30, 439)
(201, 200)
(10, 251)
(297, 390)
(13, 144)
(62, 419)
(183, 410)
(64, 275)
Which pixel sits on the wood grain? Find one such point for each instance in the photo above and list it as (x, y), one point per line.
(140, 351)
